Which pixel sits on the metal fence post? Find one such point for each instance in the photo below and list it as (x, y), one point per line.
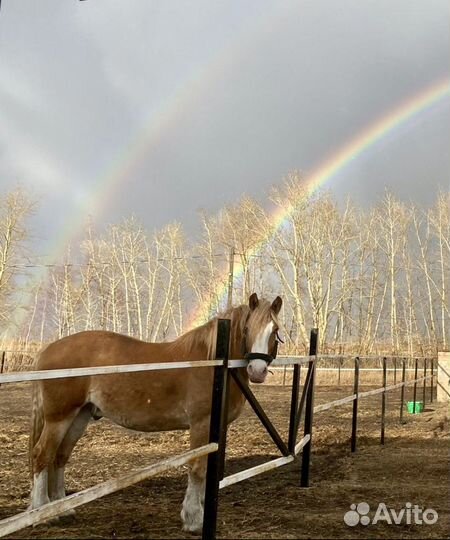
(355, 405)
(415, 385)
(294, 405)
(432, 378)
(383, 403)
(424, 397)
(309, 410)
(217, 430)
(402, 393)
(395, 370)
(3, 361)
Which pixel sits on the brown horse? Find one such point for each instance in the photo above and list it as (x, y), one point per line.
(145, 401)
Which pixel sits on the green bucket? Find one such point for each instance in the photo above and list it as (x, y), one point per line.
(419, 407)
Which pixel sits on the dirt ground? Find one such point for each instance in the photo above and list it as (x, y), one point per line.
(413, 466)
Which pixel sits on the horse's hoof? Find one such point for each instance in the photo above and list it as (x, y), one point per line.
(192, 518)
(193, 529)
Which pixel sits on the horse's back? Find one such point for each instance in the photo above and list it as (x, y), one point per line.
(98, 348)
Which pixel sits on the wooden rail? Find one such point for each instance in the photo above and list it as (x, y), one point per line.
(339, 369)
(253, 471)
(352, 397)
(39, 375)
(45, 374)
(55, 508)
(301, 444)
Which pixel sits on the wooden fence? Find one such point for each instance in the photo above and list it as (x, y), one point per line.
(301, 407)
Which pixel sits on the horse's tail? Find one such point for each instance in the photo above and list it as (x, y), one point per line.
(37, 423)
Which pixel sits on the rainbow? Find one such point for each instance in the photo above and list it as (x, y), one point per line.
(160, 121)
(419, 103)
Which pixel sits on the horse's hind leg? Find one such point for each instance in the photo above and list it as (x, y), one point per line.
(44, 454)
(56, 487)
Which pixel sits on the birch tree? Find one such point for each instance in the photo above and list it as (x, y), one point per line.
(15, 209)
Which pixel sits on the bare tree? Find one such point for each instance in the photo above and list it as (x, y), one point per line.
(15, 209)
(370, 279)
(392, 218)
(439, 218)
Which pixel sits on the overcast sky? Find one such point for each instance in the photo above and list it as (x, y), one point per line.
(118, 107)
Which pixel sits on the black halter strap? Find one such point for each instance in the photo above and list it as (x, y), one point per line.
(268, 358)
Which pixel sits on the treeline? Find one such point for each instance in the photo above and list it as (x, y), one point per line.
(372, 280)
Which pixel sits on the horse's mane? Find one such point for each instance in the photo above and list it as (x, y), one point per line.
(205, 335)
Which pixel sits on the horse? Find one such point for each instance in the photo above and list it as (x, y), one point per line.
(149, 401)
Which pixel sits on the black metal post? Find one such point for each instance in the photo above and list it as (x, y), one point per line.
(294, 403)
(309, 410)
(224, 431)
(301, 406)
(355, 405)
(402, 393)
(3, 361)
(383, 403)
(217, 430)
(424, 396)
(432, 380)
(415, 386)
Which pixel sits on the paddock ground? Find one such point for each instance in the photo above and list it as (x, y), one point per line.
(413, 466)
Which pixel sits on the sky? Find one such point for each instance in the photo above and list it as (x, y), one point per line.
(159, 109)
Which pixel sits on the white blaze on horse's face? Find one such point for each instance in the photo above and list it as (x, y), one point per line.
(257, 369)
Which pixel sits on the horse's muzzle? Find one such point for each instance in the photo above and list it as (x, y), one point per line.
(257, 368)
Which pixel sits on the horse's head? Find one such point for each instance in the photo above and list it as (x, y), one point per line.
(261, 336)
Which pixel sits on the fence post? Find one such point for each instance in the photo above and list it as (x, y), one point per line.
(217, 431)
(3, 361)
(424, 397)
(309, 409)
(432, 378)
(294, 404)
(355, 405)
(402, 393)
(415, 385)
(395, 370)
(383, 403)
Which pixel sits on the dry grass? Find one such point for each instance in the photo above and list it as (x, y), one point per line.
(412, 466)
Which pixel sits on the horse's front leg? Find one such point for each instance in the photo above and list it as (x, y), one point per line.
(192, 510)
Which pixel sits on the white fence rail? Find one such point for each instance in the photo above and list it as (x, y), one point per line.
(40, 375)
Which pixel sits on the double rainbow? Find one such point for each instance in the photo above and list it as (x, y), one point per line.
(419, 103)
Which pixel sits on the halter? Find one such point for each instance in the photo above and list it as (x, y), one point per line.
(268, 358)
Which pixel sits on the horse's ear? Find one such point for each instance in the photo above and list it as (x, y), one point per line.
(276, 305)
(253, 301)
